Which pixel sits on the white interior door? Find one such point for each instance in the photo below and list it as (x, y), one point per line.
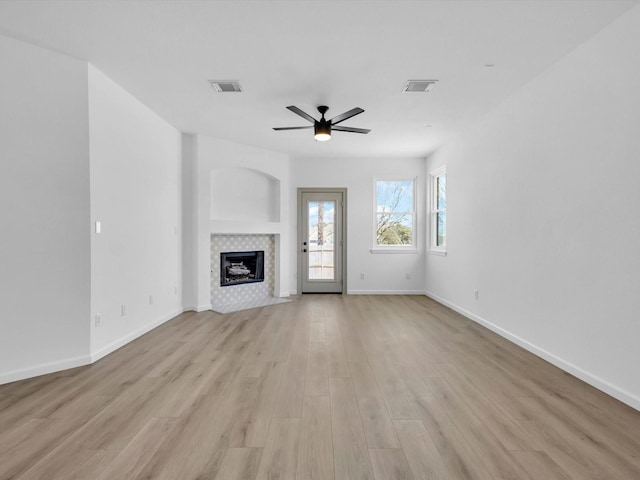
(321, 241)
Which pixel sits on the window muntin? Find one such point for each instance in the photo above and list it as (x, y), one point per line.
(395, 213)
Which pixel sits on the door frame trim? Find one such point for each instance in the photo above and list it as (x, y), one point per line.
(343, 249)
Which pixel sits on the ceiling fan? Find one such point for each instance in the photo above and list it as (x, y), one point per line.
(322, 128)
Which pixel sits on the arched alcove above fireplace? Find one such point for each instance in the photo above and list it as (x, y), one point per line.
(244, 194)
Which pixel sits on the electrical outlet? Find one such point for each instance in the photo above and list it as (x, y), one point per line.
(150, 299)
(475, 293)
(123, 310)
(362, 276)
(97, 320)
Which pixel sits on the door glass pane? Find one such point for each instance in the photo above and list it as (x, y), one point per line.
(321, 245)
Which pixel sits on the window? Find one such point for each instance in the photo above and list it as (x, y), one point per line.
(439, 210)
(395, 214)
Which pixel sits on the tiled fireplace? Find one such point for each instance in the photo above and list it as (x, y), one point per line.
(243, 247)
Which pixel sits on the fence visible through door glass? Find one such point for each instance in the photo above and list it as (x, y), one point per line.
(321, 246)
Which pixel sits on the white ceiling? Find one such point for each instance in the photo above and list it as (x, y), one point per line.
(308, 53)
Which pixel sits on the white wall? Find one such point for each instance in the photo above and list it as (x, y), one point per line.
(189, 221)
(242, 194)
(136, 195)
(216, 157)
(543, 219)
(44, 196)
(384, 273)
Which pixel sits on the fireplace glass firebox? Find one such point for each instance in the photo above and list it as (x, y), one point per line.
(241, 267)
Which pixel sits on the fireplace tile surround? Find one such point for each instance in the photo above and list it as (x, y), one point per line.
(224, 298)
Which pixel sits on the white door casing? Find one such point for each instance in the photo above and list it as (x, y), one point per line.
(321, 240)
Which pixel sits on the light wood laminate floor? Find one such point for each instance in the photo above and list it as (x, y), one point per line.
(325, 387)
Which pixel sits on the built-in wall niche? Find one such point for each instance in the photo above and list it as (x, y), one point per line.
(244, 194)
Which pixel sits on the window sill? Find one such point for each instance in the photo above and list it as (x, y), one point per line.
(394, 250)
(440, 253)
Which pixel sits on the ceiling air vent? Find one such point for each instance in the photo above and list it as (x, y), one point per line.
(225, 85)
(419, 86)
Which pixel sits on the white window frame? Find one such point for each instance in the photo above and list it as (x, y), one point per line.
(413, 247)
(434, 248)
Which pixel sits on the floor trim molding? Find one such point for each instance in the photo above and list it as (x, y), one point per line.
(385, 292)
(44, 369)
(593, 380)
(121, 342)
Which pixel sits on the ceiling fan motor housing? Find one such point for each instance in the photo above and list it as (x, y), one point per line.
(322, 129)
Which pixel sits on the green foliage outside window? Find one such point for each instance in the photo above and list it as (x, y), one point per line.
(394, 212)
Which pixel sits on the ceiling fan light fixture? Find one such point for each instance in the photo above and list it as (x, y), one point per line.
(322, 128)
(322, 131)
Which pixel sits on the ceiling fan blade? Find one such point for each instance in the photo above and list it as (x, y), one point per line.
(346, 115)
(292, 128)
(304, 115)
(350, 129)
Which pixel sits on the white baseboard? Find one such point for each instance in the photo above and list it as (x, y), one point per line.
(593, 380)
(378, 292)
(385, 292)
(194, 308)
(121, 342)
(44, 369)
(65, 364)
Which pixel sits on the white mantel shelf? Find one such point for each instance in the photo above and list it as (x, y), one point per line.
(245, 227)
